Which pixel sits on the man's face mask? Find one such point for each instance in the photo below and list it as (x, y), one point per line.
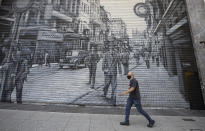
(128, 77)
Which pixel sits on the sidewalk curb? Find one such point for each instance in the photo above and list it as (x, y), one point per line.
(117, 110)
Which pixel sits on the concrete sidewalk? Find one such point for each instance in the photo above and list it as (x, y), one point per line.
(18, 120)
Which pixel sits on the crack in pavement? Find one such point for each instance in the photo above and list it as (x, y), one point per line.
(85, 94)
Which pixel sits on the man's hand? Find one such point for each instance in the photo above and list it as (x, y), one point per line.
(106, 70)
(5, 66)
(13, 75)
(127, 92)
(124, 93)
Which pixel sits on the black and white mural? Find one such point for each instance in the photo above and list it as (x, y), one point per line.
(80, 51)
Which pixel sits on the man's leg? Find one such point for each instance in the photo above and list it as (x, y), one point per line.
(4, 86)
(127, 68)
(147, 63)
(4, 96)
(114, 86)
(127, 111)
(140, 110)
(93, 76)
(10, 88)
(49, 64)
(90, 75)
(136, 61)
(19, 88)
(152, 59)
(107, 83)
(157, 59)
(128, 108)
(9, 94)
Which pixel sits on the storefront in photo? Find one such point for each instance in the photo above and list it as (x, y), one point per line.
(41, 42)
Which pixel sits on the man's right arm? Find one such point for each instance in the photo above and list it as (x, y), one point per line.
(103, 63)
(119, 65)
(129, 91)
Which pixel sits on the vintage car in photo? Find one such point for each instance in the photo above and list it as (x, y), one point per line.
(73, 59)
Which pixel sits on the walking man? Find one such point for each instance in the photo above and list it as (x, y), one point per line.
(134, 98)
(153, 57)
(137, 57)
(92, 61)
(21, 76)
(147, 57)
(157, 59)
(110, 64)
(47, 59)
(125, 61)
(39, 59)
(9, 75)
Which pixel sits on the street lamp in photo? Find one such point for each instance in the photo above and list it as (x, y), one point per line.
(21, 6)
(142, 10)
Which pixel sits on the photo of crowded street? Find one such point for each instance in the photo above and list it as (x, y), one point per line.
(102, 65)
(79, 52)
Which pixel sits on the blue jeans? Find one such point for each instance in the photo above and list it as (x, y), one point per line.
(137, 102)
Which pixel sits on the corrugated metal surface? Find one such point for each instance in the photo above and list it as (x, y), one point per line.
(163, 63)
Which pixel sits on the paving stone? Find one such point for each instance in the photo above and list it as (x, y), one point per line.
(51, 85)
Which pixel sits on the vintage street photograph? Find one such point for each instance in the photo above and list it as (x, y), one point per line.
(83, 58)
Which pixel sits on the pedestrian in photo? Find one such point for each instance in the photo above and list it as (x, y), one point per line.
(47, 59)
(40, 59)
(91, 61)
(3, 55)
(125, 61)
(9, 75)
(134, 98)
(21, 76)
(157, 59)
(4, 65)
(153, 57)
(137, 57)
(147, 59)
(110, 64)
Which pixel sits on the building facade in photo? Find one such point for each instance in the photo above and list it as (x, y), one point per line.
(84, 23)
(169, 36)
(95, 24)
(196, 18)
(6, 24)
(138, 39)
(119, 31)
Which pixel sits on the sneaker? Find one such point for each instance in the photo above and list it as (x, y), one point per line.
(125, 123)
(151, 124)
